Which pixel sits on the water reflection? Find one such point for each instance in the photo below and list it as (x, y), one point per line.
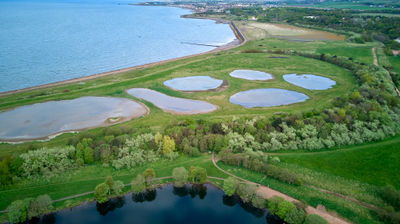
(168, 204)
(144, 196)
(110, 205)
(193, 190)
(193, 83)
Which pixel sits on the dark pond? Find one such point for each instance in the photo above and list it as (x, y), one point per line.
(191, 204)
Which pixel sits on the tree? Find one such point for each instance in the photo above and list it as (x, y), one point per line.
(117, 187)
(315, 219)
(101, 192)
(229, 186)
(180, 175)
(197, 175)
(295, 216)
(168, 145)
(149, 175)
(273, 204)
(40, 205)
(88, 155)
(18, 211)
(110, 182)
(284, 208)
(259, 202)
(246, 191)
(138, 184)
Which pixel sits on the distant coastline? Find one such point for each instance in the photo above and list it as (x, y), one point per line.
(240, 40)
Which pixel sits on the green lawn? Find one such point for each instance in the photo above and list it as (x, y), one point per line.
(375, 163)
(86, 178)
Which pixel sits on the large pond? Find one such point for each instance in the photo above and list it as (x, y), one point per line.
(191, 204)
(44, 119)
(307, 81)
(194, 83)
(172, 104)
(251, 75)
(269, 97)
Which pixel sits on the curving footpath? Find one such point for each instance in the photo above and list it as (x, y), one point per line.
(268, 193)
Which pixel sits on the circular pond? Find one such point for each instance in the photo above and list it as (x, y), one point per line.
(308, 81)
(45, 119)
(190, 204)
(194, 83)
(251, 75)
(172, 104)
(269, 97)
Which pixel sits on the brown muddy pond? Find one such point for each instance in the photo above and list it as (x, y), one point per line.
(41, 120)
(172, 104)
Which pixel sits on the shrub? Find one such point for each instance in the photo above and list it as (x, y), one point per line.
(273, 203)
(117, 187)
(246, 191)
(259, 202)
(40, 205)
(295, 216)
(229, 186)
(315, 219)
(138, 184)
(284, 207)
(110, 182)
(149, 175)
(18, 211)
(180, 175)
(48, 161)
(197, 175)
(168, 145)
(101, 192)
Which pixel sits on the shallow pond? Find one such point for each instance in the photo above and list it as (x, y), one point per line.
(269, 97)
(172, 104)
(251, 75)
(194, 83)
(307, 81)
(44, 119)
(190, 204)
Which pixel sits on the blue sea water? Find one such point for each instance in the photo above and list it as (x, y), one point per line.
(44, 41)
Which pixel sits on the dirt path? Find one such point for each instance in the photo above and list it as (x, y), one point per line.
(377, 64)
(374, 55)
(267, 193)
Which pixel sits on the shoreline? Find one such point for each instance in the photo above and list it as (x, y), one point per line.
(239, 41)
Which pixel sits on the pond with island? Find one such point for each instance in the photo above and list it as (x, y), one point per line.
(194, 83)
(172, 104)
(190, 204)
(268, 97)
(41, 120)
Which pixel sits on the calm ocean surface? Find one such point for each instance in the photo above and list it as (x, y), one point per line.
(44, 41)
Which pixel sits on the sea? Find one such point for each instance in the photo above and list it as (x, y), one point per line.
(45, 41)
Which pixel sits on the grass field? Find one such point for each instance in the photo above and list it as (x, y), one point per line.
(376, 163)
